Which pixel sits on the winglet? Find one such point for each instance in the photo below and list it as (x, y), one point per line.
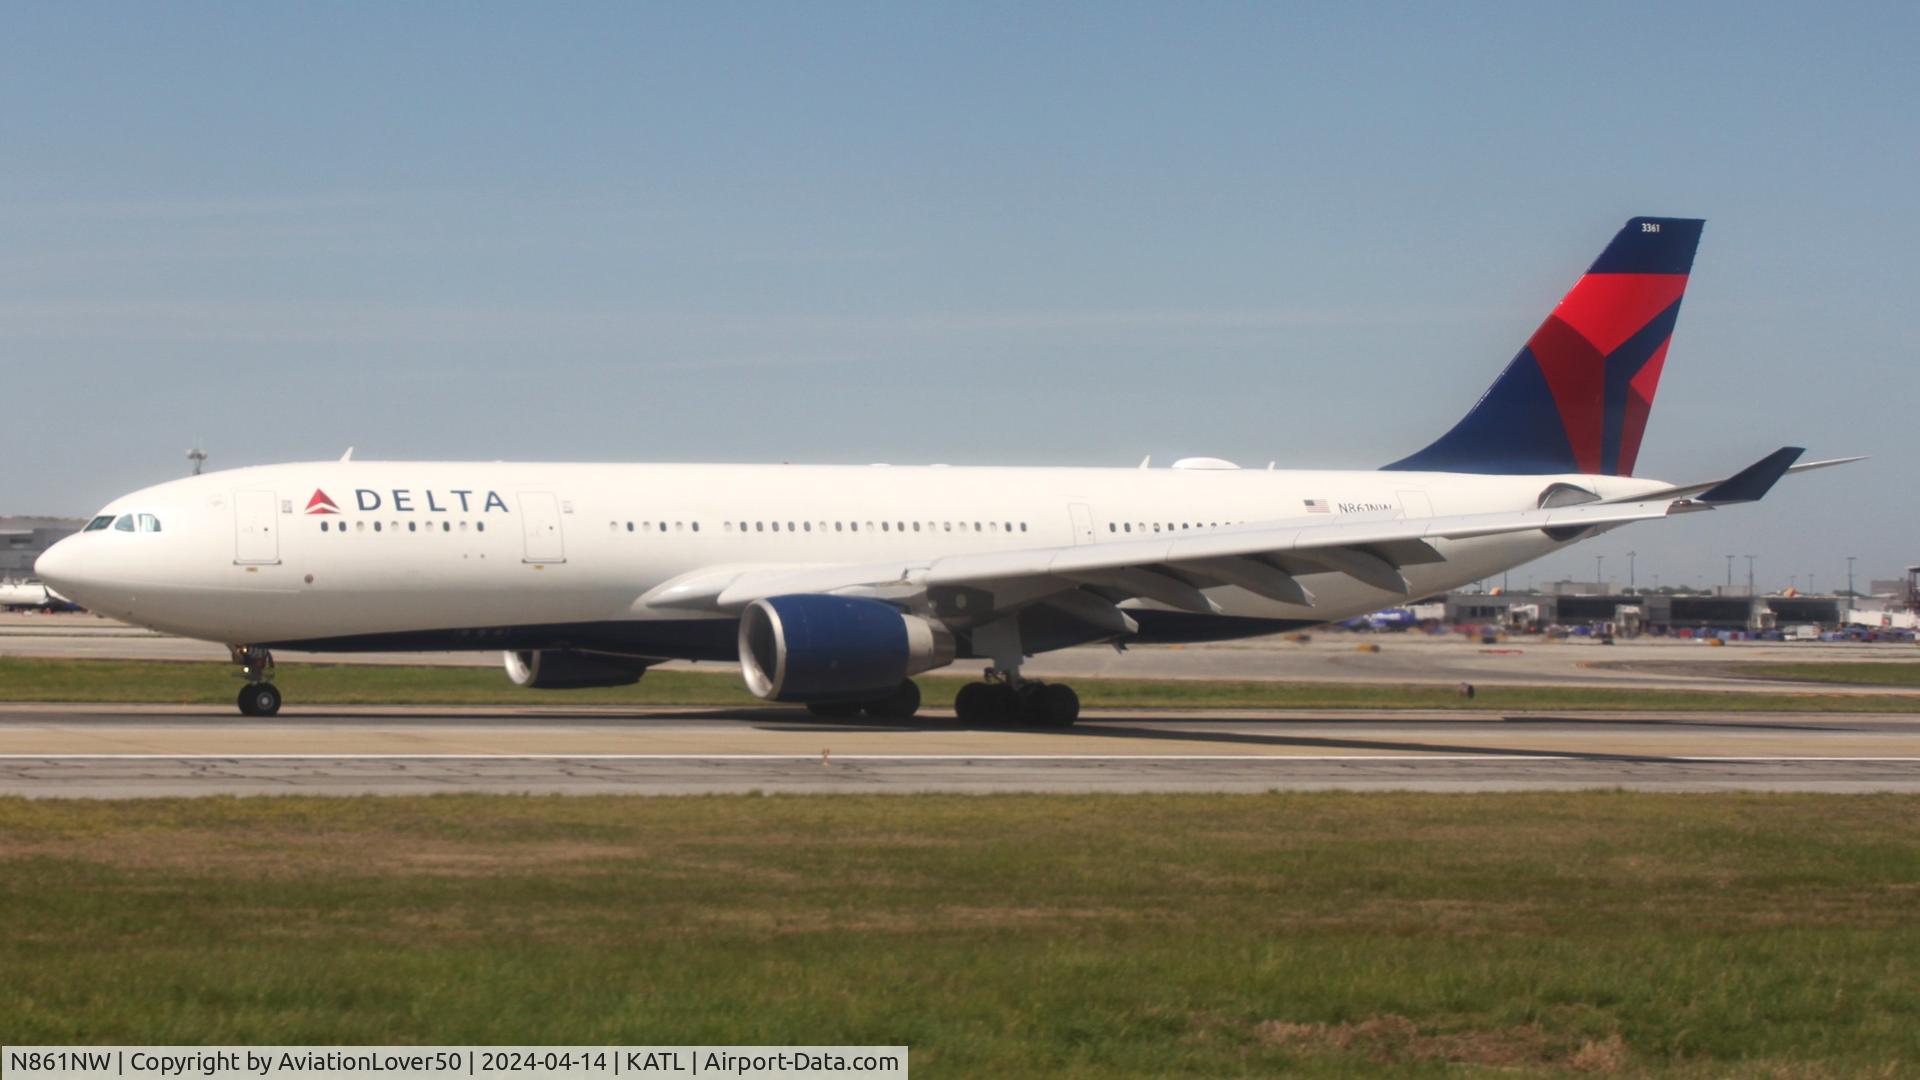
(1754, 481)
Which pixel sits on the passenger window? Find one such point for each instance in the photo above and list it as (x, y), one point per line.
(376, 526)
(125, 524)
(413, 526)
(1023, 526)
(807, 526)
(1129, 526)
(479, 526)
(696, 526)
(323, 526)
(916, 526)
(629, 526)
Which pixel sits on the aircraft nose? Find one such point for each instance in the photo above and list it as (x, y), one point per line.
(60, 566)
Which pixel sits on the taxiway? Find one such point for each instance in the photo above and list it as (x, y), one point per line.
(128, 751)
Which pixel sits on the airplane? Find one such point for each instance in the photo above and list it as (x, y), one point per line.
(831, 586)
(31, 594)
(1398, 618)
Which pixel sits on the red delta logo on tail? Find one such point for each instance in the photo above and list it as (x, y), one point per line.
(1577, 397)
(321, 504)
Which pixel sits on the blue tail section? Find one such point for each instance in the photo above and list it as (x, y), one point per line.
(1577, 397)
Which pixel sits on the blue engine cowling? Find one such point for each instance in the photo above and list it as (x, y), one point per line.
(567, 669)
(835, 648)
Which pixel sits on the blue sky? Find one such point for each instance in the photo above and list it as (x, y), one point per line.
(981, 234)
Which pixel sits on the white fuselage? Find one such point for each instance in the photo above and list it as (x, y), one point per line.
(458, 553)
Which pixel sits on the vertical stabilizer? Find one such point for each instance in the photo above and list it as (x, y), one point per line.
(1576, 398)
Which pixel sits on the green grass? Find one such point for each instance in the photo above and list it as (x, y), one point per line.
(1865, 673)
(1326, 934)
(328, 684)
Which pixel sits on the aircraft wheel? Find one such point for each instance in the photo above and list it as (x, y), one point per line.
(899, 705)
(982, 703)
(834, 710)
(1058, 705)
(259, 699)
(967, 704)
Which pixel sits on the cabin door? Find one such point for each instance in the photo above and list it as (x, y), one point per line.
(540, 522)
(256, 533)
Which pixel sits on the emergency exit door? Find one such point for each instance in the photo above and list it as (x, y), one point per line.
(1082, 523)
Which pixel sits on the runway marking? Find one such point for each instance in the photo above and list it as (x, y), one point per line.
(1499, 755)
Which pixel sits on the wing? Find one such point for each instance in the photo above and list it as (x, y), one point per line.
(1263, 558)
(1749, 483)
(1171, 568)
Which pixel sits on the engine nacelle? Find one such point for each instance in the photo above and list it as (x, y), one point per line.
(835, 648)
(566, 669)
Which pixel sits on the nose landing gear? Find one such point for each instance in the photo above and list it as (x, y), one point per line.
(259, 697)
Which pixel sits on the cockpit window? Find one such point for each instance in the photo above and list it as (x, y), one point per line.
(149, 523)
(99, 523)
(124, 524)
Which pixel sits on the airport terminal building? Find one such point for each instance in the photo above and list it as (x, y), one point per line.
(1721, 609)
(22, 539)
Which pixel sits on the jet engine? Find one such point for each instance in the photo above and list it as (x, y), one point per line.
(569, 669)
(835, 648)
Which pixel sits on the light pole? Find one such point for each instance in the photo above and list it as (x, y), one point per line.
(1850, 559)
(1598, 574)
(1729, 571)
(1630, 577)
(1749, 575)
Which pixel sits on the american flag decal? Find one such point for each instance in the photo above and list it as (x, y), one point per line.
(1317, 506)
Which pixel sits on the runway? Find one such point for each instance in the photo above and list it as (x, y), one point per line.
(1401, 659)
(139, 751)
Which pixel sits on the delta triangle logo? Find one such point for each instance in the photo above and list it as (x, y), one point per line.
(320, 504)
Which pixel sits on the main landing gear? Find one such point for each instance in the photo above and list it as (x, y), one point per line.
(1010, 700)
(1006, 698)
(259, 697)
(901, 704)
